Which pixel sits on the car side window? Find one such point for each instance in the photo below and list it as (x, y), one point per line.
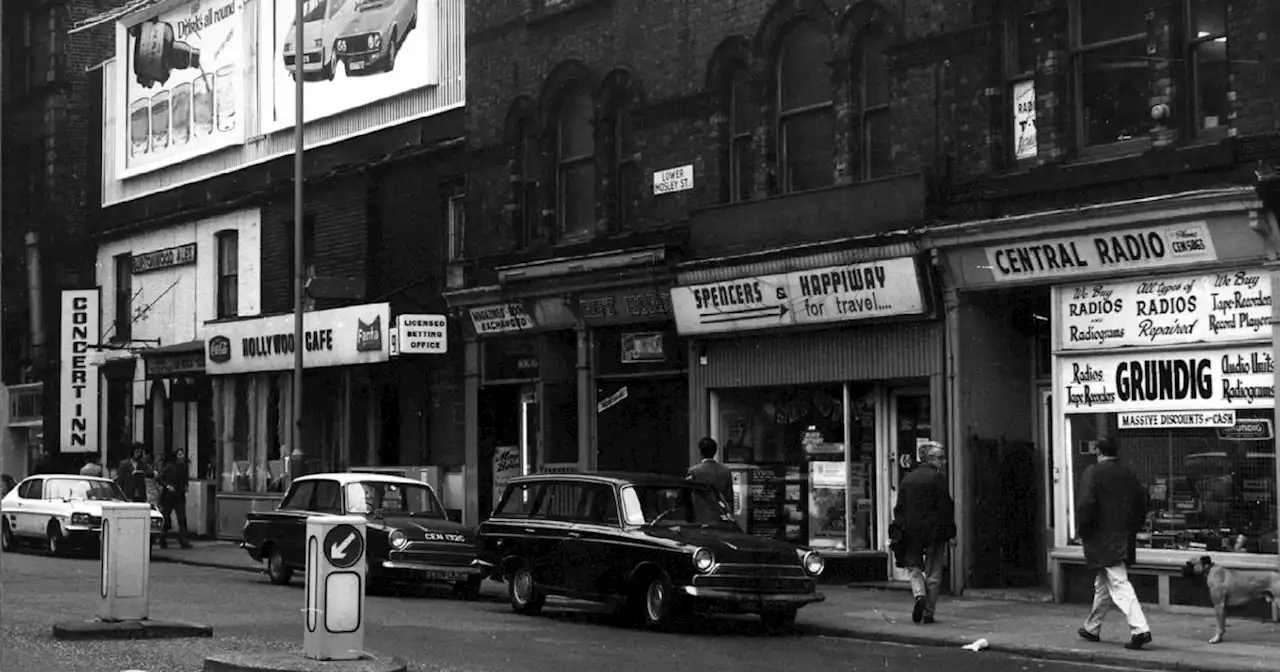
(561, 501)
(328, 498)
(632, 507)
(32, 489)
(599, 505)
(300, 497)
(519, 500)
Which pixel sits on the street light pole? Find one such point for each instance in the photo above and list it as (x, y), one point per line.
(296, 460)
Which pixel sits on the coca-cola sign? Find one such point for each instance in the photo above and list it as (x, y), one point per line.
(219, 349)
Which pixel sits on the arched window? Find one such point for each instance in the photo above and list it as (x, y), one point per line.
(806, 116)
(876, 145)
(575, 165)
(524, 182)
(741, 126)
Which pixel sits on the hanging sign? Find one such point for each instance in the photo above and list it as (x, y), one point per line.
(822, 295)
(501, 318)
(421, 335)
(1150, 247)
(1183, 380)
(79, 379)
(1215, 307)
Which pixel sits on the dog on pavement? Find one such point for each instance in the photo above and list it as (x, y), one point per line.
(1232, 587)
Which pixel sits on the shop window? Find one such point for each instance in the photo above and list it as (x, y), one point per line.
(456, 217)
(228, 273)
(1111, 72)
(799, 479)
(742, 113)
(876, 149)
(1020, 85)
(624, 166)
(806, 113)
(575, 165)
(122, 332)
(1209, 71)
(1208, 489)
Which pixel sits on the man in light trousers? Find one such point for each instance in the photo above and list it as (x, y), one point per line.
(1110, 511)
(926, 514)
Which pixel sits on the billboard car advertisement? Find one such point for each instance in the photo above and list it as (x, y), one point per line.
(354, 52)
(183, 86)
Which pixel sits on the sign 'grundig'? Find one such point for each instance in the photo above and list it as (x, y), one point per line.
(1188, 379)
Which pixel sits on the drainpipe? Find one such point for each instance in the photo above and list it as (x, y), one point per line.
(1265, 223)
(35, 296)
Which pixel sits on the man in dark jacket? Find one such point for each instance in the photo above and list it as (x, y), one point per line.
(174, 480)
(1110, 511)
(711, 472)
(925, 514)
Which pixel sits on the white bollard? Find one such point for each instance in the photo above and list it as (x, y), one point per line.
(126, 562)
(334, 615)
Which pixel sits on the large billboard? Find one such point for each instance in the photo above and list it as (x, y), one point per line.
(184, 83)
(354, 52)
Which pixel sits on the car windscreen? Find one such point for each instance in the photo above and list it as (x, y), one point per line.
(675, 505)
(313, 10)
(83, 489)
(393, 498)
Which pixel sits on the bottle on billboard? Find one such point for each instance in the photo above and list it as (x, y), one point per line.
(156, 53)
(139, 127)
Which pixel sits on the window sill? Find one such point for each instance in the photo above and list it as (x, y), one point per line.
(1114, 152)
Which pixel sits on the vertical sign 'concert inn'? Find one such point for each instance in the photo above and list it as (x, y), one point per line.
(78, 431)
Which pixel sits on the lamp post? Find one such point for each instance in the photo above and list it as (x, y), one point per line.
(297, 457)
(1268, 189)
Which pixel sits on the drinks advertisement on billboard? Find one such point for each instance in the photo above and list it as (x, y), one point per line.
(184, 83)
(354, 52)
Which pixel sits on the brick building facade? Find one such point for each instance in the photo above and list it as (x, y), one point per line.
(820, 136)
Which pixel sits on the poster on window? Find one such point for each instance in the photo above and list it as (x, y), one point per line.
(827, 505)
(354, 52)
(182, 83)
(1024, 120)
(506, 466)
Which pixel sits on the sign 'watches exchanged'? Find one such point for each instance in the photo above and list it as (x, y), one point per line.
(316, 340)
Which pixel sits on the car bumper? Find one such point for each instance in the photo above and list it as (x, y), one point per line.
(253, 551)
(428, 572)
(77, 535)
(740, 602)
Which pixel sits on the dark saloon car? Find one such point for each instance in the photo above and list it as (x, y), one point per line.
(654, 545)
(410, 536)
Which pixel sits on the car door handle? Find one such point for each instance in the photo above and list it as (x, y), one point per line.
(529, 530)
(575, 535)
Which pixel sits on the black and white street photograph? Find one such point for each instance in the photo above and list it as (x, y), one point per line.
(636, 335)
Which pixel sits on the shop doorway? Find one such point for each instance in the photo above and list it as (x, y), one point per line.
(643, 425)
(508, 438)
(1048, 477)
(910, 424)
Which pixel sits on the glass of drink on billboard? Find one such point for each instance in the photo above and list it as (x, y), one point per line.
(226, 97)
(181, 127)
(202, 105)
(160, 120)
(139, 126)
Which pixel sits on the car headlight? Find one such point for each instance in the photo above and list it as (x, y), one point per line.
(342, 46)
(317, 43)
(81, 519)
(703, 560)
(397, 539)
(813, 563)
(375, 41)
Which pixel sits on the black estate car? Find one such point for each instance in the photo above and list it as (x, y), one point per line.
(410, 536)
(652, 544)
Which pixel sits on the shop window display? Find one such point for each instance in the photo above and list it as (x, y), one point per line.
(794, 477)
(1208, 489)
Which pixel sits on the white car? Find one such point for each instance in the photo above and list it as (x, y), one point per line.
(60, 512)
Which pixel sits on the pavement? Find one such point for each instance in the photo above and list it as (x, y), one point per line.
(1043, 631)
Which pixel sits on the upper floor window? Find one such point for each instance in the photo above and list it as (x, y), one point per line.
(456, 216)
(1207, 54)
(625, 169)
(1020, 85)
(1112, 73)
(524, 183)
(874, 86)
(228, 286)
(742, 124)
(123, 330)
(575, 165)
(806, 115)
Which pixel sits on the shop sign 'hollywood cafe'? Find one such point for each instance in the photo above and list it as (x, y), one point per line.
(336, 337)
(821, 295)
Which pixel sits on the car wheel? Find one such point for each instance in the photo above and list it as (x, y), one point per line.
(7, 542)
(467, 590)
(277, 572)
(780, 620)
(393, 47)
(525, 597)
(57, 543)
(654, 602)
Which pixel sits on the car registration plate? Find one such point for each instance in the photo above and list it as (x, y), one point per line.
(357, 65)
(444, 575)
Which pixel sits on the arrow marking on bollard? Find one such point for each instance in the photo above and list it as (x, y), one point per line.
(340, 551)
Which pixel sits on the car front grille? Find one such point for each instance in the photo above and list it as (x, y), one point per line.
(433, 553)
(357, 43)
(757, 578)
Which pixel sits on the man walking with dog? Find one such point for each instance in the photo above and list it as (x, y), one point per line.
(1110, 511)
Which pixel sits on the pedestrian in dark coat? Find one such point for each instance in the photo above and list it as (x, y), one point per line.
(925, 518)
(711, 472)
(1110, 511)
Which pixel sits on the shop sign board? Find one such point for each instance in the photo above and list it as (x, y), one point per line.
(182, 84)
(356, 53)
(501, 318)
(626, 306)
(1026, 143)
(1209, 379)
(1110, 251)
(175, 364)
(642, 347)
(673, 180)
(169, 257)
(1177, 419)
(863, 291)
(79, 381)
(1213, 307)
(422, 334)
(335, 337)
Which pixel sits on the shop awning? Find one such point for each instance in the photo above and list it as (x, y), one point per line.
(189, 347)
(841, 252)
(174, 361)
